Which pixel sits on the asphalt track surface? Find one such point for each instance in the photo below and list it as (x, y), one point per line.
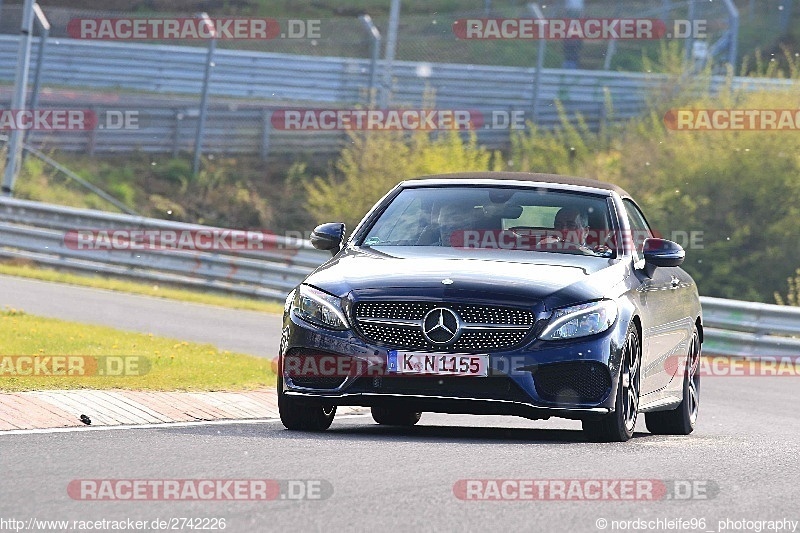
(235, 330)
(744, 455)
(391, 479)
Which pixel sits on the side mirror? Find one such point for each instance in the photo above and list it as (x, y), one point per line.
(328, 237)
(661, 253)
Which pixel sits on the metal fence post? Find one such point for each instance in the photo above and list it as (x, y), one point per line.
(201, 120)
(18, 100)
(375, 50)
(690, 40)
(391, 46)
(786, 15)
(733, 32)
(537, 11)
(44, 33)
(666, 6)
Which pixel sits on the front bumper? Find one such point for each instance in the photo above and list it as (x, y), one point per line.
(567, 379)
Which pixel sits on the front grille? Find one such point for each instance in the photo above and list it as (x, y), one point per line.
(490, 388)
(574, 382)
(400, 325)
(394, 336)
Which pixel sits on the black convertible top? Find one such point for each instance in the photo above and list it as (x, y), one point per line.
(477, 177)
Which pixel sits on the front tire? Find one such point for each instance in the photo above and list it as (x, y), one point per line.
(303, 415)
(683, 419)
(393, 417)
(618, 426)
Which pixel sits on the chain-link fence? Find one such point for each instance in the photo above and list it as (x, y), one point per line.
(150, 80)
(430, 37)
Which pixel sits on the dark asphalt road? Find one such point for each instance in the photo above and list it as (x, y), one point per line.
(234, 330)
(402, 479)
(747, 446)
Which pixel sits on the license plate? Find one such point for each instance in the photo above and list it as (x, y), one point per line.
(438, 364)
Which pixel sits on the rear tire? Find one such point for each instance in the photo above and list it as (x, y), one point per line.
(618, 426)
(303, 415)
(683, 419)
(394, 417)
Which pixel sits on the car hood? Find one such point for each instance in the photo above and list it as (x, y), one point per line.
(510, 276)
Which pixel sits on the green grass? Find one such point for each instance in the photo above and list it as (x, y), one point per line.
(173, 364)
(147, 289)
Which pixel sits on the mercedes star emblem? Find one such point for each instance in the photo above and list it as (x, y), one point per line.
(441, 326)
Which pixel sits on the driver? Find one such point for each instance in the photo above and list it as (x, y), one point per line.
(452, 218)
(571, 227)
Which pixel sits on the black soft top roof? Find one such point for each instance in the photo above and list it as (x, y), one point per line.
(482, 178)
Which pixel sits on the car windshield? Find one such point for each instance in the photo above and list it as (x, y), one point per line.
(495, 218)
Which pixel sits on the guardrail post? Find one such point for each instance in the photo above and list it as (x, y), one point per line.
(201, 121)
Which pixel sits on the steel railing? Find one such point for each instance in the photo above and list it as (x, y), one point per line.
(165, 73)
(751, 329)
(37, 232)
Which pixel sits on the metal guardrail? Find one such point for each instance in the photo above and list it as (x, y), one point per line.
(276, 77)
(35, 231)
(750, 329)
(266, 80)
(167, 128)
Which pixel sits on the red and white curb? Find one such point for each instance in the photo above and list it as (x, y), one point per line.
(64, 409)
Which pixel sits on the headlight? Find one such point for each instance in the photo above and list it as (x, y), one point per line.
(580, 320)
(319, 308)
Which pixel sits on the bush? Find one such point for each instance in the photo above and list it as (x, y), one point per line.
(741, 189)
(374, 163)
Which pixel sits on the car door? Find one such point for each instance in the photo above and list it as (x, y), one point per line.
(664, 314)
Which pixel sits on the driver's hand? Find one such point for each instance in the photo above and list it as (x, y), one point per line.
(550, 239)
